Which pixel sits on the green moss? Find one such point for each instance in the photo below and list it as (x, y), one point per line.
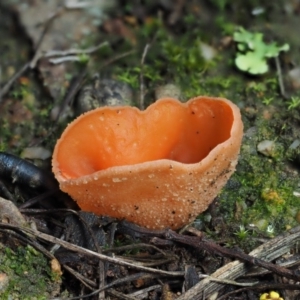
(29, 273)
(261, 192)
(25, 117)
(169, 59)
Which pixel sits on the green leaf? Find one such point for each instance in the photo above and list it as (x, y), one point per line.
(251, 63)
(83, 58)
(242, 47)
(254, 52)
(273, 50)
(242, 36)
(256, 42)
(285, 47)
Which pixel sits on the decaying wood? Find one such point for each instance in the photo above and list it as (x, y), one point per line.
(267, 252)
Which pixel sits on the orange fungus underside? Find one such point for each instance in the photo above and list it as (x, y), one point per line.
(118, 136)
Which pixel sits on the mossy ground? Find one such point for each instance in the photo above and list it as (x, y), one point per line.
(261, 197)
(29, 274)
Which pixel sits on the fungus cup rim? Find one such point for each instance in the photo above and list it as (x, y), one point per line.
(162, 162)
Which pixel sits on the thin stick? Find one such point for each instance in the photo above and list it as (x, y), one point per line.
(32, 63)
(142, 88)
(69, 97)
(11, 81)
(75, 248)
(68, 52)
(38, 51)
(117, 57)
(75, 4)
(102, 281)
(280, 79)
(204, 244)
(120, 295)
(85, 281)
(63, 59)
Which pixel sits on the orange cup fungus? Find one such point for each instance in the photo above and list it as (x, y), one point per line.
(158, 168)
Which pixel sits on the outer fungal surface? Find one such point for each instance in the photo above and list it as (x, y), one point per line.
(157, 168)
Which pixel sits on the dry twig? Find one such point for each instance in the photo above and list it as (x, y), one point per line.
(142, 86)
(280, 78)
(83, 251)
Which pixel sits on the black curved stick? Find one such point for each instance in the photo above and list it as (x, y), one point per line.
(25, 173)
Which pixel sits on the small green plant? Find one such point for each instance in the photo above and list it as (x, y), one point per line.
(293, 103)
(267, 100)
(253, 52)
(242, 233)
(83, 58)
(129, 76)
(20, 92)
(270, 230)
